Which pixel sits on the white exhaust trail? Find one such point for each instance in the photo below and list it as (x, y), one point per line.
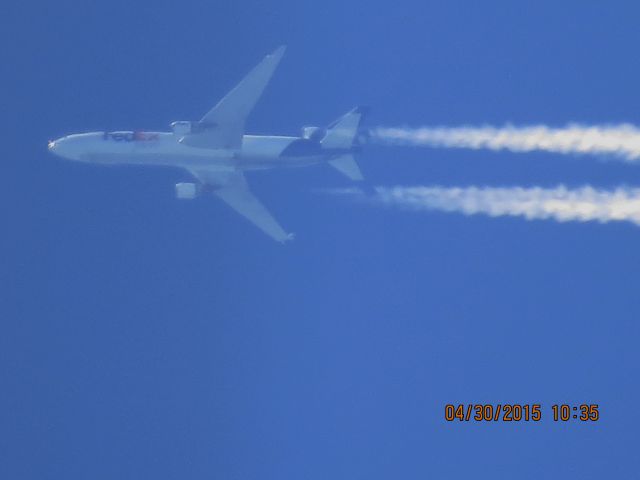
(621, 141)
(560, 203)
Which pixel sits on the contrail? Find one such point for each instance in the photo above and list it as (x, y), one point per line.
(621, 141)
(560, 203)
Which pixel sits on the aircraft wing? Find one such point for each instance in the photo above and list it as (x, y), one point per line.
(223, 126)
(232, 188)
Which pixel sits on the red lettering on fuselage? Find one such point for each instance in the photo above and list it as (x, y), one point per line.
(130, 136)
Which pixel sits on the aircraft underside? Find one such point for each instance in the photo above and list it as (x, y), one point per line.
(215, 162)
(216, 151)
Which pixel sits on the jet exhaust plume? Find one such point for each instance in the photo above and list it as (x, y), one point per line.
(621, 141)
(561, 203)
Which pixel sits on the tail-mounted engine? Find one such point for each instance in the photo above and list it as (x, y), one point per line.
(313, 133)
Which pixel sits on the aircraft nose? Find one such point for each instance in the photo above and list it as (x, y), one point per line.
(58, 147)
(66, 147)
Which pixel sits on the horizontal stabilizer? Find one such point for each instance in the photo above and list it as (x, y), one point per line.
(347, 165)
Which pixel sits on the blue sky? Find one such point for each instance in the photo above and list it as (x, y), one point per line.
(141, 337)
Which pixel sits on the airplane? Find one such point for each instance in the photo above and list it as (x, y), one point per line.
(216, 152)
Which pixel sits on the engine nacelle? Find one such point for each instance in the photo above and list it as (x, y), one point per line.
(182, 128)
(313, 133)
(187, 191)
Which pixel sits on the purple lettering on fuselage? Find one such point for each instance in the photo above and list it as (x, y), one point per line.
(130, 136)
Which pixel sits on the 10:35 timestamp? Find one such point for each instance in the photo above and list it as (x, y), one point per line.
(487, 412)
(583, 412)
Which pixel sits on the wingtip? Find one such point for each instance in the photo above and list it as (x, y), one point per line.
(278, 52)
(289, 238)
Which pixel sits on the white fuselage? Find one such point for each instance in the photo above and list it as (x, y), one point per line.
(165, 149)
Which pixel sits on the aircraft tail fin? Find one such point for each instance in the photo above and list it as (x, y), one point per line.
(347, 165)
(343, 133)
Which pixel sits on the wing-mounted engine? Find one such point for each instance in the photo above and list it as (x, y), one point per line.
(180, 129)
(187, 191)
(183, 128)
(201, 134)
(313, 133)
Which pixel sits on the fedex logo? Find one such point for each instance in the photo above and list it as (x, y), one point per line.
(130, 136)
